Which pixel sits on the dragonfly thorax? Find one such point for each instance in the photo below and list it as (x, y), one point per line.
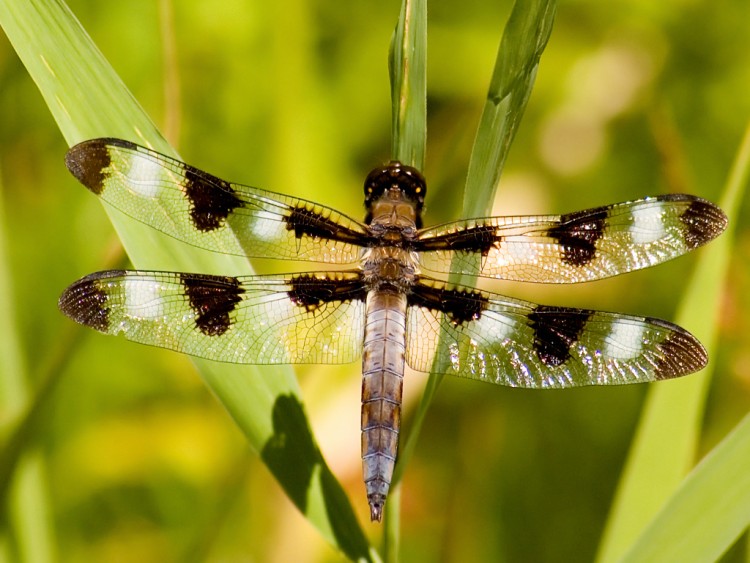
(389, 267)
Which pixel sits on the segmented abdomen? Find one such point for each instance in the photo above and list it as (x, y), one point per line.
(382, 383)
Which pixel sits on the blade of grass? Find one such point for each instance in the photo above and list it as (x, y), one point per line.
(708, 512)
(408, 70)
(88, 100)
(666, 440)
(524, 39)
(392, 526)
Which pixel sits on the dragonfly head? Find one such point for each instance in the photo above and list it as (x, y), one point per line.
(395, 181)
(395, 187)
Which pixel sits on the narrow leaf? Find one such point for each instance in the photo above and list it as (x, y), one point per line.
(408, 70)
(708, 512)
(524, 39)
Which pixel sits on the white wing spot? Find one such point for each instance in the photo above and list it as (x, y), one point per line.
(265, 225)
(648, 224)
(143, 300)
(144, 174)
(494, 327)
(625, 340)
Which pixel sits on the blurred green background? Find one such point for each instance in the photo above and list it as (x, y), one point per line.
(141, 463)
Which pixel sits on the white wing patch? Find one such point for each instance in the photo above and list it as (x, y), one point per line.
(648, 224)
(496, 327)
(143, 300)
(625, 340)
(142, 176)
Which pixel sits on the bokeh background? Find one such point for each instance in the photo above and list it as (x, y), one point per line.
(140, 462)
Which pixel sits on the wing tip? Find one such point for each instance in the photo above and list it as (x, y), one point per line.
(681, 352)
(84, 301)
(704, 221)
(88, 160)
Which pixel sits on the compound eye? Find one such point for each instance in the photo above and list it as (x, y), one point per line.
(408, 178)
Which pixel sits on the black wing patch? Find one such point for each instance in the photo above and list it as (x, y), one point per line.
(458, 305)
(556, 330)
(311, 291)
(212, 299)
(577, 235)
(211, 199)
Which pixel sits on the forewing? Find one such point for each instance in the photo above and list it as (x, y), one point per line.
(577, 247)
(205, 211)
(305, 318)
(506, 341)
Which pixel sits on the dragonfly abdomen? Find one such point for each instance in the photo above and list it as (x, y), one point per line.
(382, 384)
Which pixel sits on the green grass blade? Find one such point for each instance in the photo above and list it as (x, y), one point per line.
(665, 444)
(87, 100)
(408, 71)
(524, 39)
(392, 526)
(708, 512)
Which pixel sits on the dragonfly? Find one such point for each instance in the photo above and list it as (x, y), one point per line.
(391, 306)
